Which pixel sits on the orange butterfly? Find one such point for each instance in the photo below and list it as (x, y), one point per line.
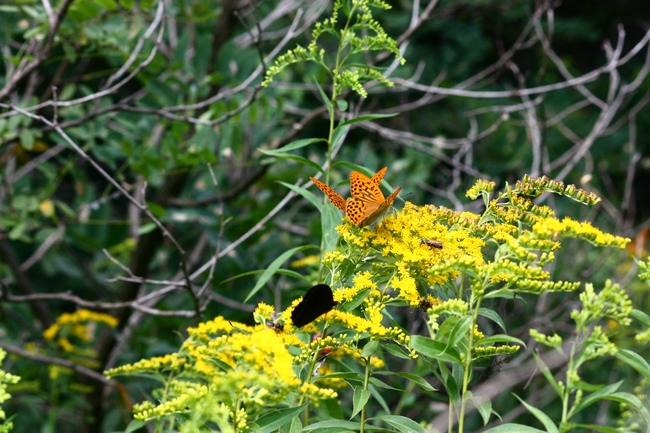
(367, 204)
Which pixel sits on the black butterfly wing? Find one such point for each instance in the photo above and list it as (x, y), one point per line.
(317, 301)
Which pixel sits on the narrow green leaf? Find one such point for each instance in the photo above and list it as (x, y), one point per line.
(635, 361)
(359, 400)
(483, 406)
(641, 317)
(293, 146)
(460, 331)
(632, 401)
(146, 228)
(541, 416)
(370, 348)
(277, 418)
(273, 267)
(326, 99)
(499, 338)
(593, 397)
(547, 374)
(594, 427)
(401, 423)
(134, 425)
(379, 399)
(418, 380)
(302, 160)
(513, 428)
(330, 219)
(434, 349)
(334, 425)
(27, 139)
(339, 134)
(367, 117)
(493, 316)
(396, 351)
(311, 198)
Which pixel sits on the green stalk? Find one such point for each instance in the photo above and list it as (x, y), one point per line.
(366, 381)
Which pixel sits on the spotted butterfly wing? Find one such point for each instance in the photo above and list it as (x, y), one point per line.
(366, 189)
(376, 179)
(317, 301)
(368, 204)
(332, 195)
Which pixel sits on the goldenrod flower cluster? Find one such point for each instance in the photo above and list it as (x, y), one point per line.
(5, 378)
(428, 257)
(75, 325)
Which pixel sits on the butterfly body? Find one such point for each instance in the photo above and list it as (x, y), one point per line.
(367, 204)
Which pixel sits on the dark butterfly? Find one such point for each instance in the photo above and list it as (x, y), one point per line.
(317, 301)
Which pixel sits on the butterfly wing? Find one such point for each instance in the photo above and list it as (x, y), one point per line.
(359, 210)
(332, 195)
(364, 188)
(317, 301)
(379, 210)
(376, 179)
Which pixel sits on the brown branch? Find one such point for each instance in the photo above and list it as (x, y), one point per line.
(92, 374)
(24, 284)
(27, 67)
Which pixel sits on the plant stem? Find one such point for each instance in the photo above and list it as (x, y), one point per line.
(366, 381)
(468, 362)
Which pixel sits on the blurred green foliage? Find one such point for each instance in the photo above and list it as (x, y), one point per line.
(181, 128)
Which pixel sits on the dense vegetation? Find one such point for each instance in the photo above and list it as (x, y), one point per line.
(154, 178)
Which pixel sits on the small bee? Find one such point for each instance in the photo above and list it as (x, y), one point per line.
(431, 243)
(276, 326)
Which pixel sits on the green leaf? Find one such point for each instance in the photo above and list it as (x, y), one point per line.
(594, 397)
(339, 134)
(641, 317)
(541, 416)
(146, 228)
(593, 427)
(302, 160)
(134, 425)
(342, 105)
(370, 348)
(494, 316)
(499, 338)
(460, 331)
(635, 361)
(298, 144)
(417, 379)
(311, 198)
(27, 139)
(367, 117)
(330, 219)
(333, 426)
(401, 423)
(283, 152)
(513, 428)
(547, 374)
(273, 268)
(157, 210)
(326, 100)
(483, 406)
(434, 349)
(632, 401)
(396, 351)
(359, 400)
(277, 418)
